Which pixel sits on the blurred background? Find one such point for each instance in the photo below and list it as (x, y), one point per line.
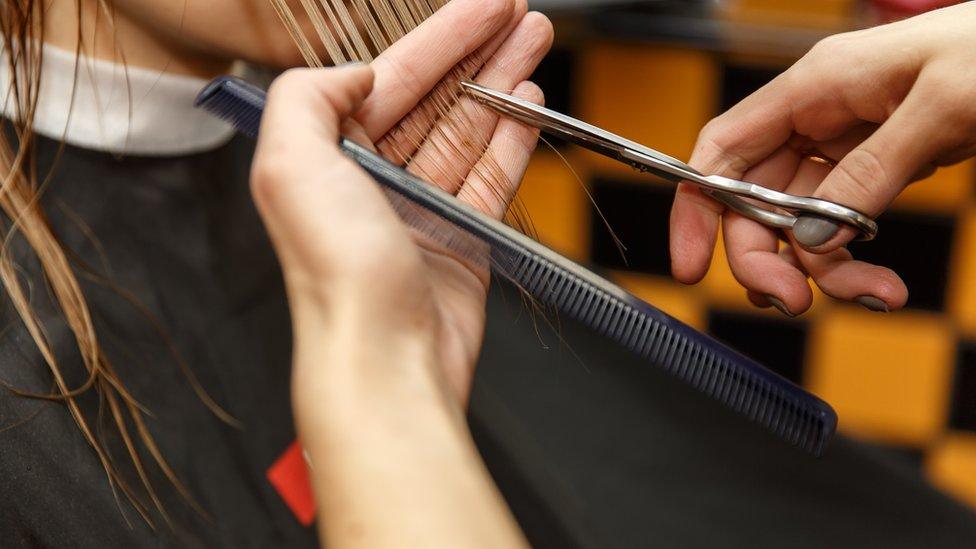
(656, 72)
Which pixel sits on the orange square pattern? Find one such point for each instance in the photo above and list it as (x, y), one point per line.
(888, 377)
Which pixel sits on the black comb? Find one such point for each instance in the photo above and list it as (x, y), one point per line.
(714, 369)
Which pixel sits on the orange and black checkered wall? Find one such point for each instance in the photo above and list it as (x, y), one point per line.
(905, 381)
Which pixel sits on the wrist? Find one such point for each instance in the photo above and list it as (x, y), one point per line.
(349, 369)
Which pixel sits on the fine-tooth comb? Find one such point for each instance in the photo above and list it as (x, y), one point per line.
(712, 368)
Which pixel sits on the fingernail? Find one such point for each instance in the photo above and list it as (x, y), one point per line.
(780, 305)
(814, 231)
(872, 303)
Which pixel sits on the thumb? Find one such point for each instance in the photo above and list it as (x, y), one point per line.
(298, 145)
(314, 200)
(873, 174)
(313, 103)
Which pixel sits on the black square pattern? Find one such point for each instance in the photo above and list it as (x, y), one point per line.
(918, 247)
(638, 214)
(962, 414)
(778, 344)
(556, 76)
(739, 81)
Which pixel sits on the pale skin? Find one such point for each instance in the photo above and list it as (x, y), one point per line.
(888, 103)
(387, 331)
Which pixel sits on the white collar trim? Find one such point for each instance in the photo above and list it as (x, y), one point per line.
(104, 106)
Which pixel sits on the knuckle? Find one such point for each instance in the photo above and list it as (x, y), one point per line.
(267, 175)
(499, 11)
(717, 145)
(540, 27)
(831, 45)
(823, 57)
(530, 91)
(289, 81)
(862, 176)
(407, 77)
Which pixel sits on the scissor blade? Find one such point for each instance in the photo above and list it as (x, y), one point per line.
(583, 134)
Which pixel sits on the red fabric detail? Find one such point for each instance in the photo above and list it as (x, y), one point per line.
(289, 475)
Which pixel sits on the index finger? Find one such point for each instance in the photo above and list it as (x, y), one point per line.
(728, 146)
(748, 132)
(409, 69)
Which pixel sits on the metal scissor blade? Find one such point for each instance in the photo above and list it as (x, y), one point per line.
(740, 196)
(614, 146)
(583, 134)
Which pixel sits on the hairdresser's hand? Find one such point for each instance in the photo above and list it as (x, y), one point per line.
(348, 260)
(384, 330)
(888, 103)
(445, 143)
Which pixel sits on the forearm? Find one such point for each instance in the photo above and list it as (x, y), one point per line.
(393, 463)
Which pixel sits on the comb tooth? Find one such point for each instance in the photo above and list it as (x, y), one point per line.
(557, 292)
(625, 325)
(611, 316)
(721, 381)
(689, 365)
(752, 400)
(735, 388)
(579, 308)
(613, 321)
(708, 376)
(597, 310)
(677, 352)
(760, 400)
(554, 291)
(546, 280)
(703, 372)
(609, 319)
(741, 383)
(793, 430)
(790, 423)
(803, 440)
(534, 282)
(660, 344)
(588, 310)
(637, 327)
(629, 325)
(676, 359)
(570, 298)
(769, 411)
(606, 317)
(601, 316)
(694, 363)
(647, 337)
(705, 364)
(521, 267)
(776, 423)
(529, 273)
(728, 379)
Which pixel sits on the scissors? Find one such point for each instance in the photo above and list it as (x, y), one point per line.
(781, 211)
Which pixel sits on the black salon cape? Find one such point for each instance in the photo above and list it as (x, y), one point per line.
(182, 237)
(590, 447)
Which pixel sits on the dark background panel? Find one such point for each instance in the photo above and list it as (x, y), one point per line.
(963, 412)
(918, 247)
(556, 75)
(739, 81)
(638, 213)
(778, 343)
